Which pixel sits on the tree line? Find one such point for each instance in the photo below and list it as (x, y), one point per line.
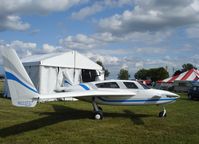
(153, 74)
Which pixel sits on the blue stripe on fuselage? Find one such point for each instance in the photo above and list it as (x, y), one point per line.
(65, 81)
(84, 86)
(138, 100)
(10, 76)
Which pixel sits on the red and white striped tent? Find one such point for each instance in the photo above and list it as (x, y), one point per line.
(191, 75)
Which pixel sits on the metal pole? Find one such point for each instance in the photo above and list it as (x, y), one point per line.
(74, 66)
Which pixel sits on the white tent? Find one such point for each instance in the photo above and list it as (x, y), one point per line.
(52, 72)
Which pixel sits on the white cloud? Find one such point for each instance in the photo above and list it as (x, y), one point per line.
(22, 48)
(87, 11)
(51, 5)
(105, 59)
(112, 51)
(139, 65)
(150, 50)
(195, 5)
(81, 41)
(25, 49)
(146, 37)
(35, 6)
(100, 40)
(48, 48)
(22, 45)
(98, 6)
(125, 66)
(13, 23)
(11, 10)
(152, 16)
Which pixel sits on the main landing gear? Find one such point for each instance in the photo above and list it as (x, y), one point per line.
(163, 113)
(98, 113)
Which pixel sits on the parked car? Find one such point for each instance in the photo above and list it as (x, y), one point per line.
(193, 92)
(182, 86)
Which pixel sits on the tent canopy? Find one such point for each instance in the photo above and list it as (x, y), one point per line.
(190, 75)
(71, 59)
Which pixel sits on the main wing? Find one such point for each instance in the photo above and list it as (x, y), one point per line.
(89, 93)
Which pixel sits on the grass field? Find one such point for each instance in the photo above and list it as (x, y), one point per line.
(1, 87)
(71, 122)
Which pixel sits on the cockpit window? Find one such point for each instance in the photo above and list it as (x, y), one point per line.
(130, 85)
(107, 85)
(144, 86)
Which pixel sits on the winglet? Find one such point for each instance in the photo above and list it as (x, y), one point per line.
(22, 91)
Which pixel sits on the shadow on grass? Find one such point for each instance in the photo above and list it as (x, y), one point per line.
(136, 118)
(63, 113)
(1, 95)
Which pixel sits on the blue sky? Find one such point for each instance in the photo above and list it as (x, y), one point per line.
(130, 34)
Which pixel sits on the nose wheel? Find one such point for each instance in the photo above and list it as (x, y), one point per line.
(163, 113)
(98, 112)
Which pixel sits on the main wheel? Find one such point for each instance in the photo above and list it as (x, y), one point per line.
(162, 114)
(98, 115)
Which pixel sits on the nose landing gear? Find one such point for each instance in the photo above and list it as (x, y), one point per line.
(163, 113)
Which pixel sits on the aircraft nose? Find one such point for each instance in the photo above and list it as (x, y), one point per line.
(172, 95)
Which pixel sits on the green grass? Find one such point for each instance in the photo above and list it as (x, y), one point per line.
(1, 86)
(71, 122)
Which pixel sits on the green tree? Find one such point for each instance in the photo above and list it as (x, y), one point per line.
(106, 72)
(158, 74)
(141, 74)
(187, 67)
(154, 74)
(123, 74)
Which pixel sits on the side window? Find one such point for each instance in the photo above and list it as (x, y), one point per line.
(108, 85)
(130, 85)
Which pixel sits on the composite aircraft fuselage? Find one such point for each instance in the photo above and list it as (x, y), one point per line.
(141, 94)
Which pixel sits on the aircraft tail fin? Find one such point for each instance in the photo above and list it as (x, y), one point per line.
(21, 89)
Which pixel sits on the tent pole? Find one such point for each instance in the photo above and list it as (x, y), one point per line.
(74, 66)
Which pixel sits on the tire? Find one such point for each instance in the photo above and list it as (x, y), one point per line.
(98, 115)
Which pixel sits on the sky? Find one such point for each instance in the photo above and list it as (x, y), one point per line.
(130, 34)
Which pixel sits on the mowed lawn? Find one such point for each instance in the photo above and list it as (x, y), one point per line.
(71, 122)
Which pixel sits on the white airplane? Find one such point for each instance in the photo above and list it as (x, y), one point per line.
(109, 92)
